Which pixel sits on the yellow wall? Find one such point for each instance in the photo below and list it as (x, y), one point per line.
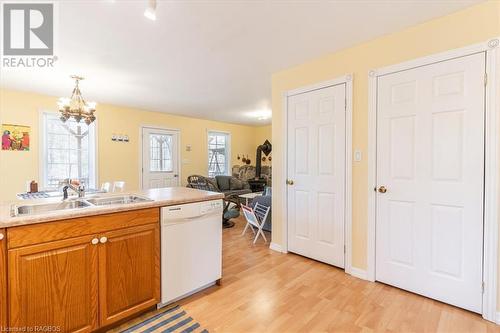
(262, 134)
(473, 25)
(117, 161)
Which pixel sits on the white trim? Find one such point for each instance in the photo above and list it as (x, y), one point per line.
(42, 148)
(372, 174)
(325, 84)
(229, 154)
(348, 178)
(492, 163)
(431, 59)
(497, 318)
(347, 80)
(141, 161)
(359, 273)
(276, 247)
(284, 173)
(491, 190)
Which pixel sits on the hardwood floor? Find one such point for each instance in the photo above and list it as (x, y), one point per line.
(266, 291)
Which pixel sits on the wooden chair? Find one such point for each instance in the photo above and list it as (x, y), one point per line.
(256, 218)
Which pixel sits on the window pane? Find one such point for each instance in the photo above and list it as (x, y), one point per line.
(63, 158)
(160, 154)
(218, 153)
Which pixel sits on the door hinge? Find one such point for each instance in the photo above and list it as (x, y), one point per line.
(344, 249)
(482, 288)
(485, 79)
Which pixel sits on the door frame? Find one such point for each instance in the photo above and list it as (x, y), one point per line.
(347, 80)
(141, 139)
(492, 162)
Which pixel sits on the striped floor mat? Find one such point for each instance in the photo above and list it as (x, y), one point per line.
(172, 320)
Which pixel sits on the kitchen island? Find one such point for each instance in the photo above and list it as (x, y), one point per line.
(87, 268)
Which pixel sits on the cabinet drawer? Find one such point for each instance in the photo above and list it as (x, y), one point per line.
(51, 231)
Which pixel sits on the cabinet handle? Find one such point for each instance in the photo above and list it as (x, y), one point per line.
(104, 239)
(2, 236)
(95, 241)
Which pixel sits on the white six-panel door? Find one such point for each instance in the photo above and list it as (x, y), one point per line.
(430, 160)
(160, 158)
(316, 166)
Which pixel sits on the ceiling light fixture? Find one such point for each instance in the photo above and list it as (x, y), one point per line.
(76, 106)
(262, 114)
(150, 11)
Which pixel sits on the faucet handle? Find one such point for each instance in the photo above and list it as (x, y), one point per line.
(65, 192)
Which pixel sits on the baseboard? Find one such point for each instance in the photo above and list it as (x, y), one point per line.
(497, 319)
(359, 273)
(276, 247)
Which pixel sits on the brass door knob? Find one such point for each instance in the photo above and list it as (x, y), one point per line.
(382, 189)
(289, 182)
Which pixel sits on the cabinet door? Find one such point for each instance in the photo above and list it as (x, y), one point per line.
(129, 272)
(3, 280)
(55, 284)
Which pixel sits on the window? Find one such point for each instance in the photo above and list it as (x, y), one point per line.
(160, 155)
(68, 152)
(218, 153)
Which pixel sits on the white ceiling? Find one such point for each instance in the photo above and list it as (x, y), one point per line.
(206, 59)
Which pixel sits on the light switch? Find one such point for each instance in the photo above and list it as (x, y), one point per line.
(357, 155)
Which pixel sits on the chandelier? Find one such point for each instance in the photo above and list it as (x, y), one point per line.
(76, 106)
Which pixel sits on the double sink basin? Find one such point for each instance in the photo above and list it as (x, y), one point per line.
(35, 209)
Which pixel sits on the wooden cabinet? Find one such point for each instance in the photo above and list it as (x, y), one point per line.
(55, 284)
(83, 274)
(3, 281)
(129, 272)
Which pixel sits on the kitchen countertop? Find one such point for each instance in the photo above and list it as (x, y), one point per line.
(161, 197)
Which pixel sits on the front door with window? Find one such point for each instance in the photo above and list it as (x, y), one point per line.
(160, 164)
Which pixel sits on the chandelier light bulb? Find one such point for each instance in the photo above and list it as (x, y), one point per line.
(76, 107)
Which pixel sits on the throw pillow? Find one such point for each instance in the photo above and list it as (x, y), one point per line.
(223, 182)
(235, 184)
(212, 183)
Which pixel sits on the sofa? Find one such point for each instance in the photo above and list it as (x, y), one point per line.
(229, 185)
(247, 172)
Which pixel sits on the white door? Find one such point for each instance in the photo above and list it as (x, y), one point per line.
(430, 159)
(160, 158)
(316, 165)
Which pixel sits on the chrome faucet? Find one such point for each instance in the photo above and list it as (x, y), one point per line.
(78, 189)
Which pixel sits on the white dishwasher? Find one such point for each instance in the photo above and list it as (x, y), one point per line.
(191, 248)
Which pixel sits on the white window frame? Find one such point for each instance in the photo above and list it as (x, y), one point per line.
(93, 163)
(228, 150)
